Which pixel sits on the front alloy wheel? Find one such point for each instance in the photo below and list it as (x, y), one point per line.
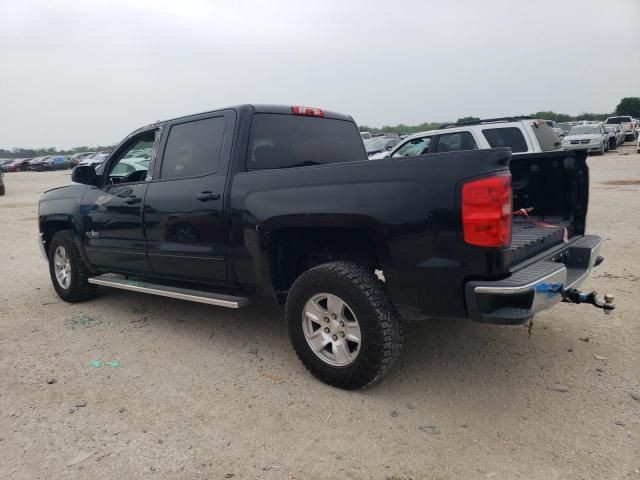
(69, 274)
(62, 267)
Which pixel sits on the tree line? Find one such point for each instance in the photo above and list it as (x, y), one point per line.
(627, 106)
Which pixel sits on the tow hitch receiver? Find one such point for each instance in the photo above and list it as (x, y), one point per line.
(573, 295)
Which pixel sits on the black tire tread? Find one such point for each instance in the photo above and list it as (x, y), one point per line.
(80, 288)
(388, 343)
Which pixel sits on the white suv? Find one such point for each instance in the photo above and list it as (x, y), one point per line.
(523, 135)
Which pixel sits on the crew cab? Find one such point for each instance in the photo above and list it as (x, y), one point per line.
(282, 202)
(520, 134)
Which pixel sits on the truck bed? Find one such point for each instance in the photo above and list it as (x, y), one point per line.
(529, 239)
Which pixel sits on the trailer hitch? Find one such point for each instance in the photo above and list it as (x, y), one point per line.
(573, 295)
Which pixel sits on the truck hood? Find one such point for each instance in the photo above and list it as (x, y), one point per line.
(66, 191)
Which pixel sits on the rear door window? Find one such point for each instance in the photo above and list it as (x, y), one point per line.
(415, 146)
(193, 148)
(285, 141)
(456, 142)
(506, 137)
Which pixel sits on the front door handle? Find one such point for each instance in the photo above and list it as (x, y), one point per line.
(131, 199)
(205, 196)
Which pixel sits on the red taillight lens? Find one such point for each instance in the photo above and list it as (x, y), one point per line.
(486, 211)
(308, 111)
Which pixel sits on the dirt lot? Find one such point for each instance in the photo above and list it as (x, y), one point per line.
(132, 386)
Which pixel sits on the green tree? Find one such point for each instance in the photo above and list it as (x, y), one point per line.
(468, 119)
(629, 106)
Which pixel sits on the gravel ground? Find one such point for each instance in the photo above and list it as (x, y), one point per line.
(134, 386)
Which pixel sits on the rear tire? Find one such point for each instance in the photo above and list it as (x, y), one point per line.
(366, 309)
(69, 274)
(2, 190)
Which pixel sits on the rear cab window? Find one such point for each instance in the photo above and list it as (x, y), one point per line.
(286, 141)
(506, 137)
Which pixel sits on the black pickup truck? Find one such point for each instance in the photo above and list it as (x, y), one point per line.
(283, 202)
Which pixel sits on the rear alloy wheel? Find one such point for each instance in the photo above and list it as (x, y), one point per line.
(331, 329)
(342, 324)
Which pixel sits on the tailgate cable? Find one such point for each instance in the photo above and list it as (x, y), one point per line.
(525, 213)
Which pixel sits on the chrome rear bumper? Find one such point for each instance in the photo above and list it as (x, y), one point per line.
(536, 287)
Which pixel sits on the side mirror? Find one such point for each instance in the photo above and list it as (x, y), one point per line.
(84, 174)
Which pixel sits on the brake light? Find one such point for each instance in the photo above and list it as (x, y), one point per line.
(486, 211)
(308, 111)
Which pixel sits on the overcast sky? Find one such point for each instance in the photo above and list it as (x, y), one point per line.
(89, 72)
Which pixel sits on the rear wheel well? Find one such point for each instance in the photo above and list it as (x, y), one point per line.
(293, 251)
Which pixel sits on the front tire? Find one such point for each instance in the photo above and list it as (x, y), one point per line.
(69, 274)
(342, 325)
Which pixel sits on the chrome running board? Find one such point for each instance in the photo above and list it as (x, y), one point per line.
(210, 298)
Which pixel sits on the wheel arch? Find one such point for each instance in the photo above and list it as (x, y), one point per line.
(292, 249)
(51, 224)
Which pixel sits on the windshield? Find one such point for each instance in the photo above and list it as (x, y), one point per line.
(584, 130)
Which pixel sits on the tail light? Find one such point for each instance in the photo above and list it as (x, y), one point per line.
(486, 211)
(307, 111)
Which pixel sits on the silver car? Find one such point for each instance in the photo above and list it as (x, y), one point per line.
(586, 137)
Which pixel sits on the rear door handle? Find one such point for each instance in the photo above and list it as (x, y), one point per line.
(131, 199)
(205, 196)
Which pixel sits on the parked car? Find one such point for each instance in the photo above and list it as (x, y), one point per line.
(57, 162)
(17, 165)
(130, 165)
(76, 158)
(365, 135)
(93, 160)
(626, 122)
(566, 126)
(380, 144)
(282, 202)
(2, 188)
(619, 133)
(611, 136)
(521, 135)
(586, 137)
(37, 164)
